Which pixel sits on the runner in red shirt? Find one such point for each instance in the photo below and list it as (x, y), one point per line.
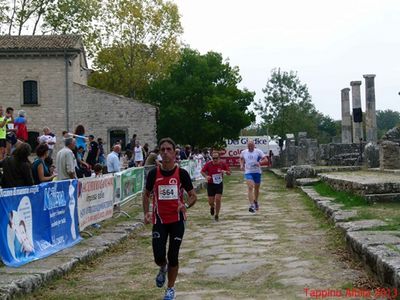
(214, 171)
(168, 216)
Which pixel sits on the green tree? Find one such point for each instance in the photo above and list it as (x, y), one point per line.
(327, 128)
(43, 16)
(139, 42)
(385, 120)
(81, 17)
(200, 102)
(287, 106)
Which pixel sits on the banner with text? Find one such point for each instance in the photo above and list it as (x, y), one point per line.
(131, 183)
(95, 201)
(231, 153)
(37, 221)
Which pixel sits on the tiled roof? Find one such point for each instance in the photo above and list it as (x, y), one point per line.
(40, 42)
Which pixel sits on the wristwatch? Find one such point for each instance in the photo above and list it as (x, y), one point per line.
(187, 206)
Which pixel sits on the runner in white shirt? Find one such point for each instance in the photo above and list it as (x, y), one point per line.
(250, 161)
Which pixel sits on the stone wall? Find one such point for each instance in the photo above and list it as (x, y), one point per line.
(101, 112)
(389, 155)
(49, 72)
(309, 152)
(98, 111)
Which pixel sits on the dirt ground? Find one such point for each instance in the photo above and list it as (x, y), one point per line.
(287, 250)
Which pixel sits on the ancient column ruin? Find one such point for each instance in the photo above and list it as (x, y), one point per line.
(357, 112)
(370, 112)
(346, 117)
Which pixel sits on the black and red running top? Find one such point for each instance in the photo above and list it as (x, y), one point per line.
(168, 187)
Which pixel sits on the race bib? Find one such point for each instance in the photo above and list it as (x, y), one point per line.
(217, 178)
(10, 126)
(168, 192)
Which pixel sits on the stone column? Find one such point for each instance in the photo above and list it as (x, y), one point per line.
(356, 104)
(370, 112)
(346, 117)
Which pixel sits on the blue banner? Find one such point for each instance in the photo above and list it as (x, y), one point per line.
(37, 221)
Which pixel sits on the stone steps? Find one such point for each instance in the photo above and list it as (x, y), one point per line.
(388, 197)
(361, 187)
(378, 250)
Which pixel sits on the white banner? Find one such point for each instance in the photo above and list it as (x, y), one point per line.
(231, 153)
(95, 200)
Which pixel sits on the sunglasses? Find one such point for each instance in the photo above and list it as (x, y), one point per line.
(215, 158)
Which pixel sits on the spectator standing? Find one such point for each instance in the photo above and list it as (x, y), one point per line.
(132, 143)
(4, 120)
(152, 159)
(49, 139)
(40, 170)
(183, 155)
(127, 160)
(20, 125)
(206, 155)
(82, 168)
(145, 151)
(66, 161)
(113, 163)
(102, 159)
(11, 136)
(17, 168)
(138, 155)
(80, 138)
(93, 153)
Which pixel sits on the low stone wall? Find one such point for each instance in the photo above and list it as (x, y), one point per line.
(375, 248)
(389, 155)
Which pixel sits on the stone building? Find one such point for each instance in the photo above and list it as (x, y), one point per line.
(47, 75)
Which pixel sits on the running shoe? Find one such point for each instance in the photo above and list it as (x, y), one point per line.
(256, 205)
(216, 218)
(252, 209)
(160, 278)
(212, 210)
(169, 294)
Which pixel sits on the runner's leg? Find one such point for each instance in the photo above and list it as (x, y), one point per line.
(176, 231)
(217, 203)
(250, 190)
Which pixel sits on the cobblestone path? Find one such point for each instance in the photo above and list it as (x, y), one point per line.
(274, 254)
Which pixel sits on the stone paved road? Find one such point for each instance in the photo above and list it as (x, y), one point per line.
(274, 254)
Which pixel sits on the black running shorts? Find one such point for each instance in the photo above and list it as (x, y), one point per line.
(213, 189)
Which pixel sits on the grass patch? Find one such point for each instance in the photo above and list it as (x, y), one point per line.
(347, 199)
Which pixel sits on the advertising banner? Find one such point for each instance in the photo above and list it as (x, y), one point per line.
(95, 201)
(231, 153)
(37, 221)
(131, 182)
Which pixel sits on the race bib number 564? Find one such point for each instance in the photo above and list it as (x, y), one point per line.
(168, 192)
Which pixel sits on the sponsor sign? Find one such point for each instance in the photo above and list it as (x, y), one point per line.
(231, 153)
(37, 221)
(95, 201)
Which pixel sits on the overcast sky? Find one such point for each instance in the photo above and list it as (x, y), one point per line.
(328, 43)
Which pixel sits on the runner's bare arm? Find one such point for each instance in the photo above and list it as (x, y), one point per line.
(242, 163)
(205, 175)
(192, 197)
(146, 204)
(264, 160)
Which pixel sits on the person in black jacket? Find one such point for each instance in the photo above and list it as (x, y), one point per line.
(17, 169)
